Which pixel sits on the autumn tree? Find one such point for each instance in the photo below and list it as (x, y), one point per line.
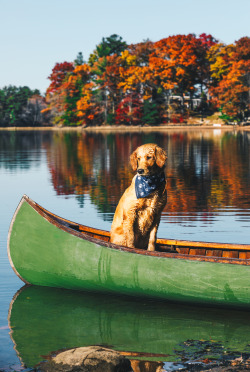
(178, 60)
(88, 109)
(104, 62)
(203, 45)
(129, 110)
(230, 66)
(73, 93)
(58, 75)
(141, 51)
(137, 77)
(106, 77)
(55, 94)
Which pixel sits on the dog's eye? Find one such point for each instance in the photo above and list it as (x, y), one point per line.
(149, 157)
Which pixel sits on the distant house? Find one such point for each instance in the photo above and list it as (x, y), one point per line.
(187, 100)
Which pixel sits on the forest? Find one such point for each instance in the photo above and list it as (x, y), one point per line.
(152, 82)
(149, 83)
(21, 107)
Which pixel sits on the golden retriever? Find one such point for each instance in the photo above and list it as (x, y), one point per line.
(138, 213)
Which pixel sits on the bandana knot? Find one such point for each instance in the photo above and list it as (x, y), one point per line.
(145, 185)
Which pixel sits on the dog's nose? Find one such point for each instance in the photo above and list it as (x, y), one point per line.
(140, 170)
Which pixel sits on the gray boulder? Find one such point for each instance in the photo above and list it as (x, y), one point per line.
(87, 359)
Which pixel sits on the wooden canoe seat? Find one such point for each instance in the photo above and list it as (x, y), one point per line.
(197, 252)
(182, 250)
(244, 255)
(214, 252)
(230, 254)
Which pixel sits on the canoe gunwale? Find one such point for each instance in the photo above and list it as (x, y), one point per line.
(61, 223)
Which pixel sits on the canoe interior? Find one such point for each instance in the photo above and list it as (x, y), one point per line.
(190, 248)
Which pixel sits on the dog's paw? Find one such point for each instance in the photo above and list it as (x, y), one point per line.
(151, 247)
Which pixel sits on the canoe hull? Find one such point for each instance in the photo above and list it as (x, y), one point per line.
(43, 254)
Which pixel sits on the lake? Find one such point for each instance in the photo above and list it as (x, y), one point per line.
(81, 176)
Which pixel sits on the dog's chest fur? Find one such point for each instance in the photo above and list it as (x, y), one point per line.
(148, 208)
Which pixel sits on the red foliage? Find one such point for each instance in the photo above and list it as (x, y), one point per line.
(207, 40)
(59, 74)
(129, 110)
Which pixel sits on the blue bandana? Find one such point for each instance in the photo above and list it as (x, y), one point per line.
(145, 185)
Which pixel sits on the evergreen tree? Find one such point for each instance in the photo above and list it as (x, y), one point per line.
(79, 59)
(13, 101)
(108, 46)
(150, 113)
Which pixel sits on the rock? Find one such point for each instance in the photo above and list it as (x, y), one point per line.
(87, 359)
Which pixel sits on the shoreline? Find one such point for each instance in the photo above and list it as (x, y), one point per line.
(123, 128)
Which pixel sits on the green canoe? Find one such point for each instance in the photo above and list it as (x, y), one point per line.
(47, 250)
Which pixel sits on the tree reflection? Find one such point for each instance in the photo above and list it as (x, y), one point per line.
(18, 149)
(205, 171)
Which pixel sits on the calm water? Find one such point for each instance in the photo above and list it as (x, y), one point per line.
(81, 177)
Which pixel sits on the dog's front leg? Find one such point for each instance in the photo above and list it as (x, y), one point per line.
(129, 230)
(130, 236)
(152, 238)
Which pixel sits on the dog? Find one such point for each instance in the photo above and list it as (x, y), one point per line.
(138, 212)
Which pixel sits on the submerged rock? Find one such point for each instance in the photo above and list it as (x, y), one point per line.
(87, 359)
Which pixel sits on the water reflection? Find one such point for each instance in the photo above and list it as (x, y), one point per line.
(208, 196)
(205, 171)
(48, 319)
(19, 149)
(208, 175)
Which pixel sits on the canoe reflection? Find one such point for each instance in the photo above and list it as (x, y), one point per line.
(44, 319)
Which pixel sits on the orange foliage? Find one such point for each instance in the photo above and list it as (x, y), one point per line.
(181, 65)
(230, 66)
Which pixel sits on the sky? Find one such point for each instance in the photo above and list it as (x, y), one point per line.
(36, 34)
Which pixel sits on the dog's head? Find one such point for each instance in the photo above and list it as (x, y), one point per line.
(148, 159)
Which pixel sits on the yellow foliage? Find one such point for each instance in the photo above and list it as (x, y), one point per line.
(128, 58)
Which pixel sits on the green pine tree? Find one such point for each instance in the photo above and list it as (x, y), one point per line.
(79, 59)
(150, 113)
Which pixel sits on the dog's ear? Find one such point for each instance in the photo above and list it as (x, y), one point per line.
(161, 156)
(133, 160)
